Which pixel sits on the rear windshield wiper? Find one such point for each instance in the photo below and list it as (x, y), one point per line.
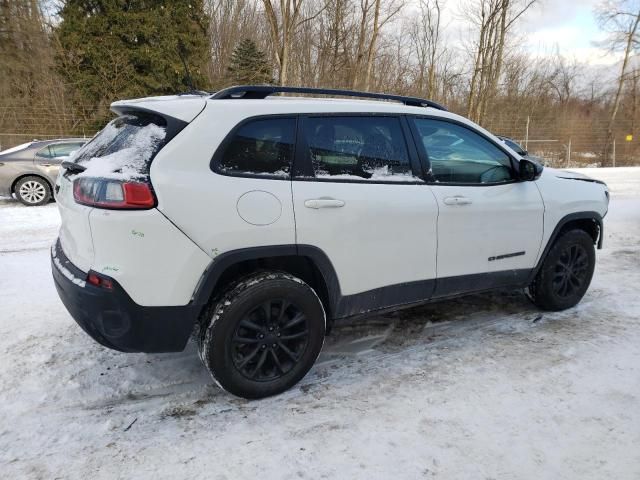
(73, 167)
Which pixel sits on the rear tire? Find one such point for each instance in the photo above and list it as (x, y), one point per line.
(566, 273)
(33, 191)
(263, 335)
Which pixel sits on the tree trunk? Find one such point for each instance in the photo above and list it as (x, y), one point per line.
(362, 33)
(372, 45)
(616, 103)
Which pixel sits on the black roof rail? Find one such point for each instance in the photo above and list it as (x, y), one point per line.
(263, 91)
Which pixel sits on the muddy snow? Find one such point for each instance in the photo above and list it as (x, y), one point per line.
(476, 388)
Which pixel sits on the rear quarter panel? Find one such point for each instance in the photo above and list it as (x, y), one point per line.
(150, 258)
(204, 204)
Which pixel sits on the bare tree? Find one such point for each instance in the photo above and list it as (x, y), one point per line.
(493, 20)
(425, 38)
(284, 21)
(621, 21)
(372, 19)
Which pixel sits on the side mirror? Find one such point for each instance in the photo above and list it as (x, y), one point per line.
(530, 171)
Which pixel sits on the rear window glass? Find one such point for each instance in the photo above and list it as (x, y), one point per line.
(124, 148)
(262, 146)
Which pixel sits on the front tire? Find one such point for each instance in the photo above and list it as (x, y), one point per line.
(566, 273)
(33, 191)
(263, 335)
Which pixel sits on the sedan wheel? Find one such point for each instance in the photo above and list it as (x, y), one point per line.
(33, 191)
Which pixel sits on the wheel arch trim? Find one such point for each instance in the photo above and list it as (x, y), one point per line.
(587, 215)
(224, 261)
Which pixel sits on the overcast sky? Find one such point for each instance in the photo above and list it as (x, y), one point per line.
(567, 26)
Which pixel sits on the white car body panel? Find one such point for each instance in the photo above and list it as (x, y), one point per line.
(564, 196)
(151, 259)
(385, 234)
(204, 204)
(499, 220)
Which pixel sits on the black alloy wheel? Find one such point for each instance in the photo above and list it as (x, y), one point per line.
(263, 334)
(269, 340)
(570, 271)
(566, 272)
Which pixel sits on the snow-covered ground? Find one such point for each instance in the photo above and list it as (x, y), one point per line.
(476, 388)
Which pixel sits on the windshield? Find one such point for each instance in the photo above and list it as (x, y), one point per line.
(124, 148)
(513, 146)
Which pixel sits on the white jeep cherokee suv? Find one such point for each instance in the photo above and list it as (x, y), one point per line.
(263, 219)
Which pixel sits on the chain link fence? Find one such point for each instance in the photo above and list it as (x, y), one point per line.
(22, 123)
(579, 143)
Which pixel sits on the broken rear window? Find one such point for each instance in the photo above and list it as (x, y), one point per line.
(123, 149)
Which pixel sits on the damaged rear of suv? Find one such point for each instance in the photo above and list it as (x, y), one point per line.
(258, 221)
(124, 271)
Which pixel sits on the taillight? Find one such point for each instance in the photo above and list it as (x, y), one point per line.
(113, 194)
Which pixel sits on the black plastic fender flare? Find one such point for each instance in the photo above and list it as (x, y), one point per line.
(595, 216)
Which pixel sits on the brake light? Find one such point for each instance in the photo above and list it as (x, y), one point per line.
(113, 194)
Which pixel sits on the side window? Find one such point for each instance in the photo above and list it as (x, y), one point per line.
(359, 148)
(64, 149)
(263, 146)
(459, 155)
(44, 153)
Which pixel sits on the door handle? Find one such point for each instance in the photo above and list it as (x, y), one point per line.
(457, 200)
(323, 203)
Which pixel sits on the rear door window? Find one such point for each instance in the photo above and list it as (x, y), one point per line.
(260, 147)
(359, 148)
(124, 148)
(62, 150)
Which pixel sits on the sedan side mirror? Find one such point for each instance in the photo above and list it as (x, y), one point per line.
(530, 171)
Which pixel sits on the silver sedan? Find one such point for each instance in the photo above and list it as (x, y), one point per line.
(29, 170)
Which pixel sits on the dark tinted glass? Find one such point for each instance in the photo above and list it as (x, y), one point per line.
(359, 148)
(459, 155)
(261, 146)
(513, 146)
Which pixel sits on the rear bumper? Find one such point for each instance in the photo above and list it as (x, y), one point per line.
(113, 319)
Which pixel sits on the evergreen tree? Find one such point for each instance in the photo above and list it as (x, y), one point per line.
(249, 64)
(114, 49)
